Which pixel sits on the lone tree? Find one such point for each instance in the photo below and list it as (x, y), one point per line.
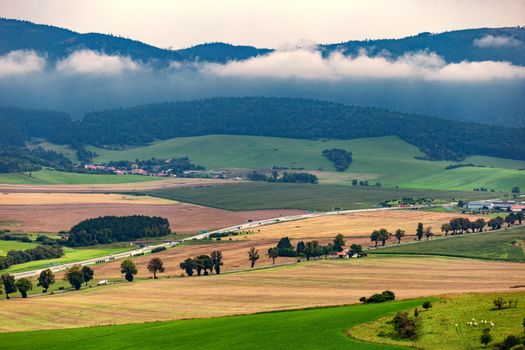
(399, 234)
(427, 305)
(485, 337)
(24, 285)
(188, 265)
(419, 231)
(46, 279)
(88, 273)
(74, 276)
(216, 259)
(428, 232)
(9, 284)
(273, 253)
(155, 265)
(339, 243)
(129, 269)
(253, 256)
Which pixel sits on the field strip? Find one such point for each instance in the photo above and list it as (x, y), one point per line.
(148, 249)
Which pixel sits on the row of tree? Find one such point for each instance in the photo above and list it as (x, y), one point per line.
(463, 225)
(203, 263)
(285, 177)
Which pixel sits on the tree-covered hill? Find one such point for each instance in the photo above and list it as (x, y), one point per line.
(454, 46)
(297, 118)
(261, 116)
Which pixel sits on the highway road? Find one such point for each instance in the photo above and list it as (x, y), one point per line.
(147, 249)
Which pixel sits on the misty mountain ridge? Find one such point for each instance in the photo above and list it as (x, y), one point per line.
(148, 74)
(483, 44)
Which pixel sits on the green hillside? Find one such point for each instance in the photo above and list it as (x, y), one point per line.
(388, 160)
(306, 329)
(58, 177)
(501, 245)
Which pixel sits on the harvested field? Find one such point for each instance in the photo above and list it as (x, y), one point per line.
(234, 252)
(326, 282)
(358, 224)
(121, 187)
(184, 218)
(19, 198)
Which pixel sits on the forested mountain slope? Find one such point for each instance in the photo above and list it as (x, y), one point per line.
(260, 116)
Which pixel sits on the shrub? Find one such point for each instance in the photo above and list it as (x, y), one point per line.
(427, 305)
(158, 249)
(379, 298)
(404, 326)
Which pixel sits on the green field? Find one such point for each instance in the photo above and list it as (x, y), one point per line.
(388, 160)
(437, 327)
(262, 195)
(500, 245)
(6, 246)
(49, 176)
(305, 329)
(71, 255)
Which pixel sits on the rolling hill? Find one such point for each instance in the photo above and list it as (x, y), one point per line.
(389, 160)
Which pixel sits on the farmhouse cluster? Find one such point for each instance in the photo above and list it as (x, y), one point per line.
(507, 206)
(135, 170)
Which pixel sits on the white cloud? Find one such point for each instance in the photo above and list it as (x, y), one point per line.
(20, 62)
(91, 62)
(309, 64)
(487, 41)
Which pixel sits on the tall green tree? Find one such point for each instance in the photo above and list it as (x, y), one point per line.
(155, 266)
(339, 243)
(88, 273)
(253, 256)
(205, 262)
(188, 265)
(74, 276)
(216, 259)
(399, 234)
(273, 254)
(46, 279)
(24, 285)
(300, 248)
(129, 269)
(419, 231)
(9, 284)
(285, 248)
(428, 232)
(312, 249)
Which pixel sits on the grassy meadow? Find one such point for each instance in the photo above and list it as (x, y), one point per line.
(6, 246)
(261, 195)
(49, 176)
(303, 329)
(437, 326)
(388, 160)
(71, 255)
(500, 245)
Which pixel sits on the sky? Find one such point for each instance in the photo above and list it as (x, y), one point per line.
(265, 23)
